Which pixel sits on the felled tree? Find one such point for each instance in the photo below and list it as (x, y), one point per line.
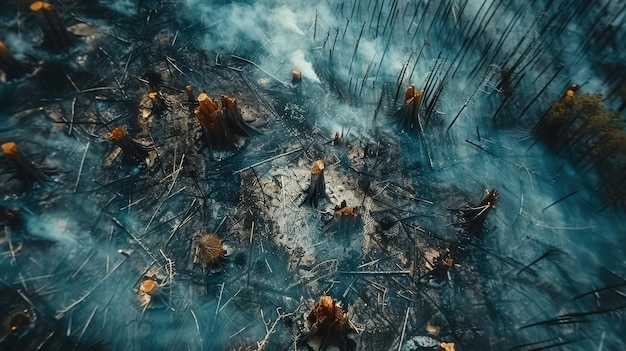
(11, 67)
(134, 152)
(344, 223)
(221, 125)
(472, 218)
(438, 275)
(317, 187)
(234, 120)
(330, 326)
(407, 114)
(26, 170)
(55, 35)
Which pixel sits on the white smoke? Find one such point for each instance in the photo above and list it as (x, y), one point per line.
(298, 60)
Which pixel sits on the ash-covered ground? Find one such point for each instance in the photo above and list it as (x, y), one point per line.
(104, 233)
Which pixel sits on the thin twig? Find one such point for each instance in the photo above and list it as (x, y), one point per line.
(170, 272)
(259, 67)
(63, 311)
(8, 236)
(87, 324)
(185, 221)
(132, 204)
(73, 276)
(229, 300)
(80, 170)
(72, 119)
(250, 252)
(374, 272)
(261, 344)
(268, 160)
(135, 238)
(559, 200)
(406, 319)
(195, 319)
(377, 260)
(219, 301)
